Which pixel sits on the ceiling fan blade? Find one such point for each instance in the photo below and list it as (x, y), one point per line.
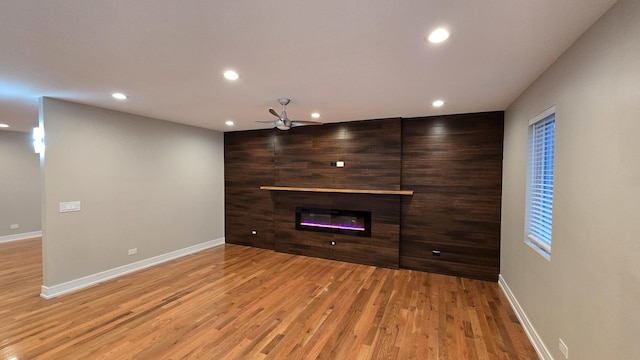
(274, 113)
(304, 123)
(265, 121)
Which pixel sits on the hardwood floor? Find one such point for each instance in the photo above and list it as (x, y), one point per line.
(236, 302)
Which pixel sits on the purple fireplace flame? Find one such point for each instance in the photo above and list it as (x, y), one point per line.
(330, 226)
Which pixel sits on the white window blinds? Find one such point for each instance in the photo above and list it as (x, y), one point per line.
(540, 181)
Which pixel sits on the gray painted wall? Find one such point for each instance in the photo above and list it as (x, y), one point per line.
(143, 183)
(589, 293)
(19, 184)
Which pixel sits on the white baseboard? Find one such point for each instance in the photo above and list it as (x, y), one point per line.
(49, 292)
(23, 236)
(532, 334)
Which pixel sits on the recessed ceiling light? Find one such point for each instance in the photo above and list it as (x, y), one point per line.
(119, 96)
(4, 126)
(229, 123)
(438, 35)
(315, 115)
(437, 103)
(231, 75)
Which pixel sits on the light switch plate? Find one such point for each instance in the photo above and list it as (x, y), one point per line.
(69, 206)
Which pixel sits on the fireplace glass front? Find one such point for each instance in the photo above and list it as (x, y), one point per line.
(346, 222)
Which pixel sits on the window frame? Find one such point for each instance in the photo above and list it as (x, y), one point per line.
(541, 162)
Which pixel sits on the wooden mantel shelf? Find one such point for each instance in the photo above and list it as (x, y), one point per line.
(344, 191)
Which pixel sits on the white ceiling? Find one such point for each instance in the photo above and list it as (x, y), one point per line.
(347, 59)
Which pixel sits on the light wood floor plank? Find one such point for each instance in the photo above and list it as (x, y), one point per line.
(235, 302)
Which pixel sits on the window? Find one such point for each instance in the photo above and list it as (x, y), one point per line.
(539, 213)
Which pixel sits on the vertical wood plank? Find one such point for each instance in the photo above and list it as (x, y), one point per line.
(454, 165)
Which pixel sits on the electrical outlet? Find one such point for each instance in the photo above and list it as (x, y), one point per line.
(132, 251)
(563, 349)
(14, 226)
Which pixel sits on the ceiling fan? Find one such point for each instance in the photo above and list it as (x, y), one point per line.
(283, 122)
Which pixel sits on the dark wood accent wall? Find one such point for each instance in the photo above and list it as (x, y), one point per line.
(248, 164)
(302, 156)
(454, 164)
(370, 149)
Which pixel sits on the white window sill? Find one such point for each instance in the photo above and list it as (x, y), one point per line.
(537, 249)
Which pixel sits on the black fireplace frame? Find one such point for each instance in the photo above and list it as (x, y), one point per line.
(366, 215)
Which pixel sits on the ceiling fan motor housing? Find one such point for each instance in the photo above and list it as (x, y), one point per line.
(284, 101)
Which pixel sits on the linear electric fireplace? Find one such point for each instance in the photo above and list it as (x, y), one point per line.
(346, 222)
